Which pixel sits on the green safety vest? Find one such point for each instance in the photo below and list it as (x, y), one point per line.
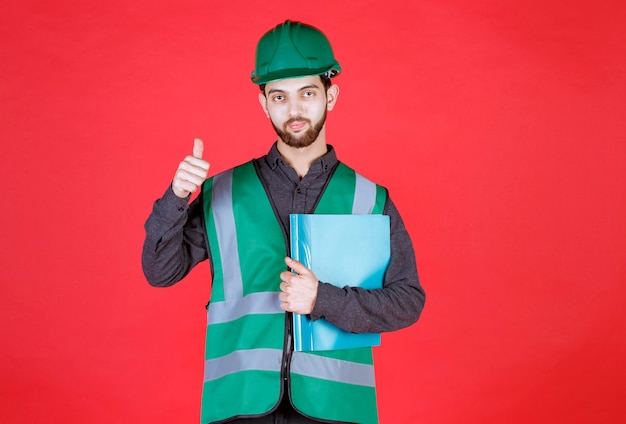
(247, 351)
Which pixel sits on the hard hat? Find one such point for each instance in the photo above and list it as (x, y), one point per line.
(293, 49)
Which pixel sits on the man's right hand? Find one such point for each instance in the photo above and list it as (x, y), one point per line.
(191, 172)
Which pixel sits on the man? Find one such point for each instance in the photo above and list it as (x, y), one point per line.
(240, 222)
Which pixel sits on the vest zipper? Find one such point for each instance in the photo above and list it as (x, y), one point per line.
(287, 351)
(286, 365)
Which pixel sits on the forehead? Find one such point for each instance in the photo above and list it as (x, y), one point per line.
(294, 84)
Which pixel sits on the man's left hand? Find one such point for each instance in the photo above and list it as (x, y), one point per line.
(299, 289)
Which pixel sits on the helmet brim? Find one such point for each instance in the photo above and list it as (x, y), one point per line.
(295, 73)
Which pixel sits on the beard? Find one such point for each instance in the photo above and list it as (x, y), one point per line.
(301, 140)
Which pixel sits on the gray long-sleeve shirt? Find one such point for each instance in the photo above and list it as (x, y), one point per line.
(176, 241)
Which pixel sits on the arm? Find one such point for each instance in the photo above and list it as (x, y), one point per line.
(175, 236)
(175, 240)
(398, 304)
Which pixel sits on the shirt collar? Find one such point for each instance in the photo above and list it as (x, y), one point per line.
(325, 163)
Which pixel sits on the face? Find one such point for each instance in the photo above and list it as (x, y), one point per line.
(297, 108)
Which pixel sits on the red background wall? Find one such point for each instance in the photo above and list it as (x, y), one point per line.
(497, 125)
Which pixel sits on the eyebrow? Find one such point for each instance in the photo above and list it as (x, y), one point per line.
(306, 87)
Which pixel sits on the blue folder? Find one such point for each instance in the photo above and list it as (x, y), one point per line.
(343, 250)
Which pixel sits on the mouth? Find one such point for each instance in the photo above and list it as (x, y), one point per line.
(296, 125)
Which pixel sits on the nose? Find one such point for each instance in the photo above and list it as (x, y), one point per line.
(295, 108)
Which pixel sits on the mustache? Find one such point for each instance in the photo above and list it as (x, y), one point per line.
(296, 119)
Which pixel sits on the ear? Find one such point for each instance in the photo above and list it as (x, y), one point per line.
(331, 96)
(263, 101)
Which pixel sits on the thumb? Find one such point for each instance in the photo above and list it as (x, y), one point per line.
(198, 148)
(296, 266)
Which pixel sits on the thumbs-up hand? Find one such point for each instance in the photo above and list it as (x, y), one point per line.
(191, 172)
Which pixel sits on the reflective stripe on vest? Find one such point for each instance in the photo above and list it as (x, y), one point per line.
(312, 365)
(306, 364)
(364, 195)
(242, 360)
(232, 306)
(225, 225)
(254, 303)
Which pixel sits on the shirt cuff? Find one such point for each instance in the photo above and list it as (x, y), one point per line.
(173, 205)
(328, 301)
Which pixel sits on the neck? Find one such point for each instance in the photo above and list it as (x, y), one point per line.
(301, 158)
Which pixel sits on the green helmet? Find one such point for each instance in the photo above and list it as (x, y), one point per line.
(293, 49)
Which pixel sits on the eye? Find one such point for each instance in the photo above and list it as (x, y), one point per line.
(308, 94)
(278, 97)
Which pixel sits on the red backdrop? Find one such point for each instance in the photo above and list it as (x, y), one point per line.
(497, 125)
